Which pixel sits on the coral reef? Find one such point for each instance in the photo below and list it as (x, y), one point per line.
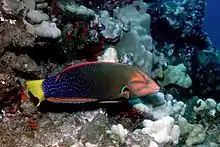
(176, 75)
(182, 34)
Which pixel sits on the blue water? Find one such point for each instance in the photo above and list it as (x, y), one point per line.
(212, 22)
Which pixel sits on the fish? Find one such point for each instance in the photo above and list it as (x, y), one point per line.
(102, 82)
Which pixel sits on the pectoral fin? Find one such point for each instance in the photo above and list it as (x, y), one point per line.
(125, 94)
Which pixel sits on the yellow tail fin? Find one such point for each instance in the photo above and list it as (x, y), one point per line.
(35, 87)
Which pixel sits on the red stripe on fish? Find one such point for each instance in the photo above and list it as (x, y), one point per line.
(80, 65)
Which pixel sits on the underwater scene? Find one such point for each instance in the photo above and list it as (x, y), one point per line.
(109, 73)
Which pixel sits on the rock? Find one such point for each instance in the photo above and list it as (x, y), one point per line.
(77, 145)
(30, 4)
(94, 130)
(38, 145)
(26, 66)
(21, 65)
(8, 86)
(12, 6)
(54, 129)
(6, 61)
(137, 139)
(28, 108)
(15, 37)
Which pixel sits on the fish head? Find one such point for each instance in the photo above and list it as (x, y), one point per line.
(142, 85)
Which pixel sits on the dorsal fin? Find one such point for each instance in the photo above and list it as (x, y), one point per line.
(82, 64)
(76, 66)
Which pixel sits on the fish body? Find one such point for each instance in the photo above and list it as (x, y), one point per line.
(93, 81)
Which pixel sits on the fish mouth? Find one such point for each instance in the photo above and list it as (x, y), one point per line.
(154, 90)
(157, 89)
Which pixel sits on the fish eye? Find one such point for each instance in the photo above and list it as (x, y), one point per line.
(147, 82)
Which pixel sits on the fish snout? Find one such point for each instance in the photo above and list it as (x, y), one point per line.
(155, 88)
(141, 88)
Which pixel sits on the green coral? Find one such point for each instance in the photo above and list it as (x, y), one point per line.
(176, 75)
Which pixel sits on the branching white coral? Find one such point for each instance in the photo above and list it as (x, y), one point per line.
(37, 16)
(77, 10)
(195, 132)
(203, 105)
(211, 103)
(42, 27)
(171, 107)
(162, 130)
(45, 29)
(162, 107)
(143, 108)
(119, 130)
